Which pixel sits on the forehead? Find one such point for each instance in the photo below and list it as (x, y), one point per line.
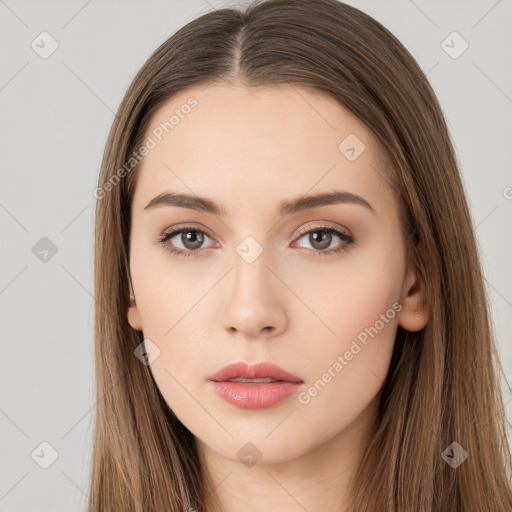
(225, 141)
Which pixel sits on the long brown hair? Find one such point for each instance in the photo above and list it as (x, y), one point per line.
(443, 382)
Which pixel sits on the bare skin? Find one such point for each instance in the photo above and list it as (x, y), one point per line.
(249, 150)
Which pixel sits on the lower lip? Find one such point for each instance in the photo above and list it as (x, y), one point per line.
(255, 396)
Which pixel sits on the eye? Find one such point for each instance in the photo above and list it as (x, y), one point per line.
(189, 237)
(192, 239)
(321, 237)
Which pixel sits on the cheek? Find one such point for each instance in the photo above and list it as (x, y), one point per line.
(172, 304)
(351, 294)
(163, 292)
(349, 360)
(346, 370)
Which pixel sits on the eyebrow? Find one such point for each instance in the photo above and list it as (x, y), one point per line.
(206, 205)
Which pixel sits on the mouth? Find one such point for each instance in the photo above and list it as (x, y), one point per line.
(254, 387)
(254, 374)
(254, 381)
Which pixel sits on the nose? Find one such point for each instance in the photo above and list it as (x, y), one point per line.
(254, 306)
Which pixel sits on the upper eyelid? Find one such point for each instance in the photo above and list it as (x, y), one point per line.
(178, 229)
(326, 225)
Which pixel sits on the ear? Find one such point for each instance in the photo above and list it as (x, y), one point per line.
(414, 315)
(133, 314)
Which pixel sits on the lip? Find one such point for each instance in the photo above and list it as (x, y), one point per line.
(254, 395)
(254, 371)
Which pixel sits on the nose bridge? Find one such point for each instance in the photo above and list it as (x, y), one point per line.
(253, 299)
(250, 273)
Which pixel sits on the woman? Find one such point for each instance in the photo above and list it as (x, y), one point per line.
(290, 308)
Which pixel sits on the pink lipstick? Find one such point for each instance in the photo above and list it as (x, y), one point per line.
(255, 386)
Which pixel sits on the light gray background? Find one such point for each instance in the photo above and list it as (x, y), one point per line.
(56, 113)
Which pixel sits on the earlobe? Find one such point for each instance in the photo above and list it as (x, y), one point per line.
(413, 315)
(134, 316)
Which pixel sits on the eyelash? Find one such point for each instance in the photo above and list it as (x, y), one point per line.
(348, 239)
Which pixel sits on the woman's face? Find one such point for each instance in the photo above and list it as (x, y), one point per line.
(316, 287)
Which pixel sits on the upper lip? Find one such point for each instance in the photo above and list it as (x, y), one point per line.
(255, 371)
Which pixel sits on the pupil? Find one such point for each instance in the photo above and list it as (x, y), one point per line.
(193, 239)
(325, 239)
